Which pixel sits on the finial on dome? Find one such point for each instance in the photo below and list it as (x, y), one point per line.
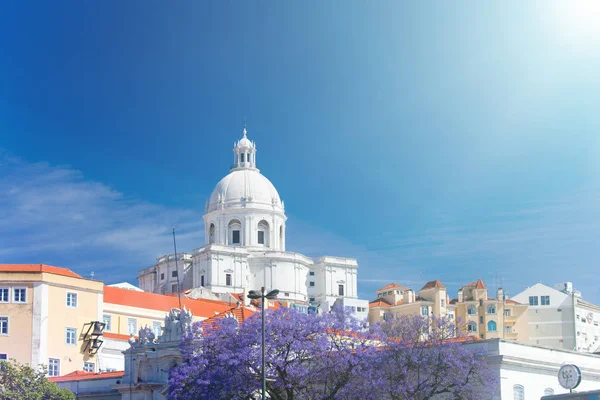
(244, 127)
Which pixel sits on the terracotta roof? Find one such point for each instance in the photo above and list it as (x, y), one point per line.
(116, 336)
(433, 284)
(392, 286)
(199, 307)
(480, 284)
(510, 301)
(49, 269)
(82, 375)
(379, 303)
(241, 313)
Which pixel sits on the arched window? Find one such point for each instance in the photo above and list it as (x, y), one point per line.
(471, 310)
(263, 233)
(211, 233)
(281, 237)
(548, 391)
(518, 392)
(492, 326)
(472, 327)
(234, 234)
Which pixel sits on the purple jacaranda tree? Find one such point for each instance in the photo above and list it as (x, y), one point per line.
(427, 358)
(308, 356)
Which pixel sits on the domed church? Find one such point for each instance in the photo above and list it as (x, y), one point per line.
(245, 249)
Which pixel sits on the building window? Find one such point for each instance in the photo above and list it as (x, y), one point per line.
(340, 290)
(162, 276)
(443, 303)
(261, 237)
(3, 357)
(545, 300)
(132, 326)
(89, 366)
(156, 328)
(548, 391)
(107, 322)
(312, 273)
(211, 233)
(286, 294)
(174, 288)
(71, 336)
(3, 325)
(424, 311)
(19, 295)
(173, 274)
(4, 292)
(71, 300)
(311, 284)
(53, 367)
(481, 320)
(471, 310)
(472, 327)
(450, 316)
(533, 301)
(518, 392)
(492, 326)
(242, 157)
(263, 233)
(235, 237)
(491, 309)
(201, 280)
(312, 299)
(508, 329)
(507, 312)
(227, 279)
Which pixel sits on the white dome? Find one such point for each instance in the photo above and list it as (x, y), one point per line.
(244, 143)
(245, 188)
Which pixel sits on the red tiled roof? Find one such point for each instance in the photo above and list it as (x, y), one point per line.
(510, 301)
(379, 303)
(433, 284)
(38, 268)
(391, 286)
(82, 375)
(480, 285)
(241, 313)
(116, 336)
(199, 307)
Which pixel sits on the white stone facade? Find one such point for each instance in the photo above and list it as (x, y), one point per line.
(561, 318)
(245, 249)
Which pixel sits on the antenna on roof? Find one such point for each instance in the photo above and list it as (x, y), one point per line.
(177, 269)
(92, 275)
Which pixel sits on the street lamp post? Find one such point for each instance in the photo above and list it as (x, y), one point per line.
(255, 294)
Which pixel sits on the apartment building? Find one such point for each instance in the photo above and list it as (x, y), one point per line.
(490, 317)
(559, 317)
(475, 312)
(394, 300)
(47, 317)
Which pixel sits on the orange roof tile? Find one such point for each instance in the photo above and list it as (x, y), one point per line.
(38, 268)
(391, 286)
(241, 313)
(433, 284)
(116, 336)
(379, 303)
(510, 301)
(199, 307)
(480, 284)
(82, 375)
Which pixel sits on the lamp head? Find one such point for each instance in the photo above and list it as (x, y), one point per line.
(254, 294)
(272, 294)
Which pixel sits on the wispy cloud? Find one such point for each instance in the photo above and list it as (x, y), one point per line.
(51, 214)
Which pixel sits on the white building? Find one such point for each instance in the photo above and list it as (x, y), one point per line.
(558, 317)
(245, 249)
(528, 372)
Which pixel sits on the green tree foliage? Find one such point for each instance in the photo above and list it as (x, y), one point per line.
(21, 382)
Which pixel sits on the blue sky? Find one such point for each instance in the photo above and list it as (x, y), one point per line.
(428, 140)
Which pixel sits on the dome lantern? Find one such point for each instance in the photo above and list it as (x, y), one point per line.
(244, 153)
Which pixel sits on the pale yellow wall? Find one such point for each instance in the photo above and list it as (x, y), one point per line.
(60, 317)
(517, 319)
(17, 344)
(144, 316)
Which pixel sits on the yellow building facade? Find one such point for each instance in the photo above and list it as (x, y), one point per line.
(45, 312)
